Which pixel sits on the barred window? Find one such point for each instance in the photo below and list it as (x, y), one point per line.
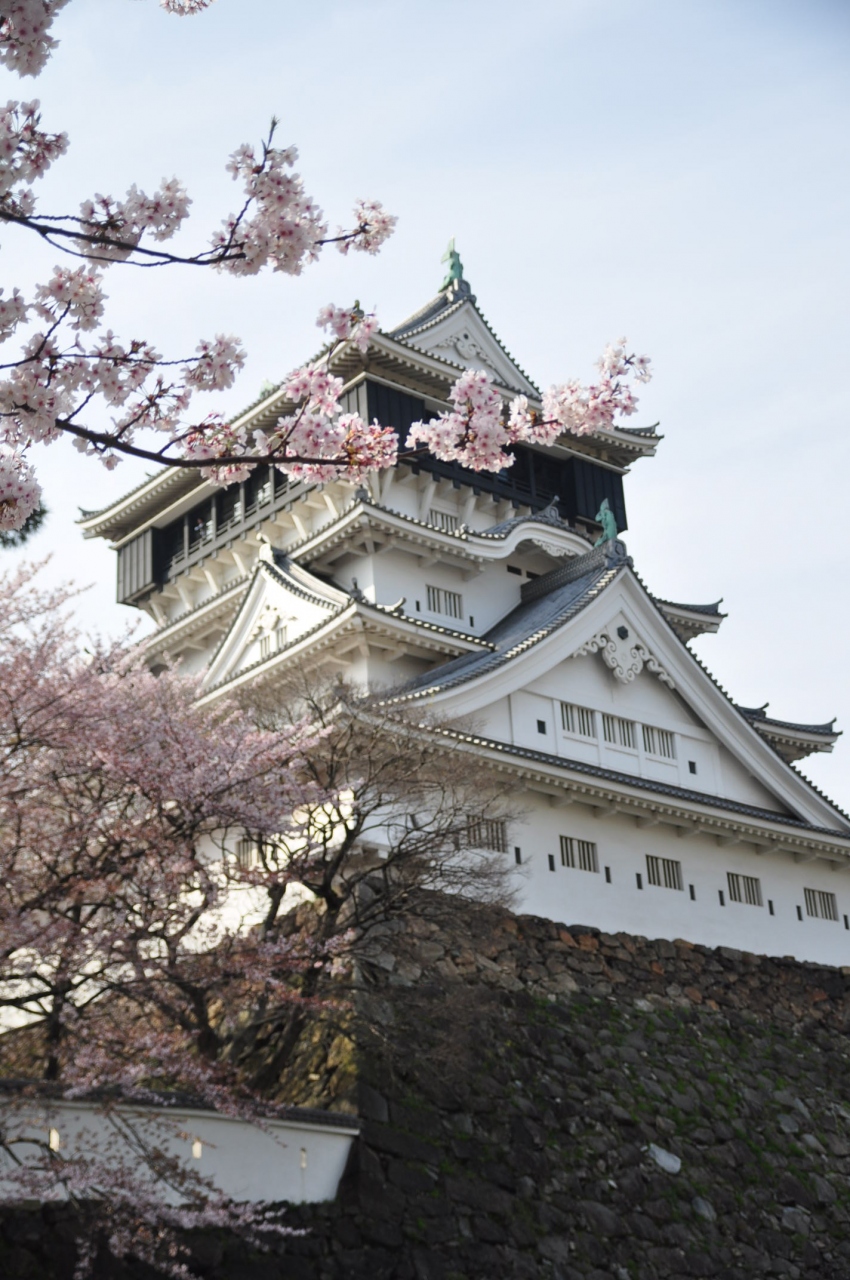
(272, 641)
(447, 602)
(664, 872)
(744, 889)
(488, 833)
(619, 732)
(247, 853)
(659, 742)
(445, 520)
(580, 854)
(822, 905)
(578, 720)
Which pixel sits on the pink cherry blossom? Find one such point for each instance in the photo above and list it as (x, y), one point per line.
(20, 494)
(374, 226)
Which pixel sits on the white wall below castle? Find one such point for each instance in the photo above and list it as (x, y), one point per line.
(583, 897)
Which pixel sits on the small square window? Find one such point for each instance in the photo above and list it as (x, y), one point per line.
(541, 726)
(692, 766)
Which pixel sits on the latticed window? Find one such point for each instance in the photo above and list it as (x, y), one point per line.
(578, 720)
(488, 833)
(821, 904)
(745, 889)
(659, 742)
(580, 854)
(445, 520)
(247, 853)
(447, 602)
(666, 873)
(619, 732)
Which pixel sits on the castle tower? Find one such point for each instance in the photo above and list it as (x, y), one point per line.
(651, 802)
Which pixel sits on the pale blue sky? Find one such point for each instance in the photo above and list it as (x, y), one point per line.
(674, 171)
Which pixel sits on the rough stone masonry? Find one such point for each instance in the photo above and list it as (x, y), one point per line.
(549, 1101)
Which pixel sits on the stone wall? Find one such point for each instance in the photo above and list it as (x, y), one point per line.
(549, 1101)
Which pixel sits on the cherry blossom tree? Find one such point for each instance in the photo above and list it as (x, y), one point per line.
(67, 361)
(151, 851)
(130, 940)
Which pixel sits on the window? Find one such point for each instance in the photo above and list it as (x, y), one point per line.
(692, 766)
(541, 726)
(518, 855)
(580, 854)
(488, 833)
(744, 889)
(607, 875)
(820, 904)
(551, 862)
(445, 520)
(247, 853)
(659, 742)
(578, 720)
(512, 568)
(619, 732)
(447, 602)
(664, 872)
(272, 641)
(693, 892)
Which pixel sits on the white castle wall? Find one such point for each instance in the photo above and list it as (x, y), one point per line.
(585, 897)
(295, 1161)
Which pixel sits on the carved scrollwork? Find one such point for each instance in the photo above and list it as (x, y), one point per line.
(625, 658)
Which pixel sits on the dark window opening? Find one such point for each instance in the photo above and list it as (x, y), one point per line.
(512, 568)
(518, 855)
(692, 765)
(693, 893)
(639, 879)
(551, 862)
(721, 897)
(541, 726)
(799, 913)
(608, 878)
(770, 906)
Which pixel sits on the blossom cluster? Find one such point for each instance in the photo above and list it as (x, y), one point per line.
(112, 229)
(479, 428)
(26, 153)
(20, 493)
(317, 441)
(346, 323)
(374, 226)
(25, 44)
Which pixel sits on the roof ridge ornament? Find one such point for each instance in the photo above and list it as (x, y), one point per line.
(605, 516)
(454, 282)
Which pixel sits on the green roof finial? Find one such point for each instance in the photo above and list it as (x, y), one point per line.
(605, 517)
(454, 275)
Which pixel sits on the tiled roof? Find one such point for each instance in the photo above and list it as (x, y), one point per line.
(649, 784)
(444, 304)
(712, 610)
(524, 627)
(757, 714)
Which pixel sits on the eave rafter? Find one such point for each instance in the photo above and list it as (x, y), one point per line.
(720, 822)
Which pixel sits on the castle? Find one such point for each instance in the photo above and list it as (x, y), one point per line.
(651, 803)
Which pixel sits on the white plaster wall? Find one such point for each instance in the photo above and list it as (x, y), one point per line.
(292, 1161)
(587, 682)
(581, 897)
